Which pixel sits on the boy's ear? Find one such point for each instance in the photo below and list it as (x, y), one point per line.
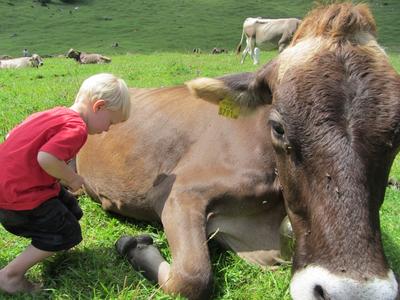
(99, 104)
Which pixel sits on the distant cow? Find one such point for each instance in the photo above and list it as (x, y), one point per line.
(218, 51)
(266, 34)
(4, 57)
(318, 133)
(87, 58)
(22, 62)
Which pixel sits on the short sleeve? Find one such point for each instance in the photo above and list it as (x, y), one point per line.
(66, 143)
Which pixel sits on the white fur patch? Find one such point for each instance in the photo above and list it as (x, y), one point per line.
(336, 287)
(299, 54)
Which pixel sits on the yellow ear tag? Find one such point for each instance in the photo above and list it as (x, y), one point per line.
(229, 109)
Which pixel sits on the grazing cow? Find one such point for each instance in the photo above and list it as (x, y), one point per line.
(266, 34)
(218, 51)
(317, 133)
(22, 62)
(87, 58)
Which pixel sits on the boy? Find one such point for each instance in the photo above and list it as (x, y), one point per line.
(33, 164)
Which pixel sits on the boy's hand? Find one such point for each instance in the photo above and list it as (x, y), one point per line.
(60, 170)
(75, 184)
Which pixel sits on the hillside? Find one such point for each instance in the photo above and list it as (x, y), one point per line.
(146, 26)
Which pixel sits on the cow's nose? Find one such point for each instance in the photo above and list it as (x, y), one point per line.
(320, 293)
(317, 283)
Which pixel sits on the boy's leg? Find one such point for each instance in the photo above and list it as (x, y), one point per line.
(51, 226)
(12, 276)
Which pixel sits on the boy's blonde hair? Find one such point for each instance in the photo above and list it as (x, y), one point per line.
(109, 88)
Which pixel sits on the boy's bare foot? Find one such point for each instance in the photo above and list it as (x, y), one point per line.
(13, 285)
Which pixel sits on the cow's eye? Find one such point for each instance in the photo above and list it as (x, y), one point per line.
(277, 129)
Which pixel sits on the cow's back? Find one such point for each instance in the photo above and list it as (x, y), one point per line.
(269, 32)
(91, 58)
(14, 63)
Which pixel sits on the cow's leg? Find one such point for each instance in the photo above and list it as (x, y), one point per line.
(244, 54)
(283, 42)
(246, 50)
(184, 221)
(252, 44)
(256, 55)
(190, 275)
(282, 47)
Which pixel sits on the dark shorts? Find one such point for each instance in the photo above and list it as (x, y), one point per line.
(52, 226)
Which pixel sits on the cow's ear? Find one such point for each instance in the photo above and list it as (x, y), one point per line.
(246, 89)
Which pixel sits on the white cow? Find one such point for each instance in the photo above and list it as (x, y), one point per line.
(266, 34)
(22, 62)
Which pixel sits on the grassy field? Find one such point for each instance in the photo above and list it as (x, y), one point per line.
(93, 270)
(148, 26)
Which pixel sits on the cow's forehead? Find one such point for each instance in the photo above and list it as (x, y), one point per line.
(304, 51)
(300, 54)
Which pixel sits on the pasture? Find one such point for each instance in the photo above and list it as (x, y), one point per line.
(147, 26)
(93, 270)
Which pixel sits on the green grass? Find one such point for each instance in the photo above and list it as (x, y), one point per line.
(147, 26)
(92, 270)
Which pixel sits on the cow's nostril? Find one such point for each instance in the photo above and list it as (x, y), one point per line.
(319, 293)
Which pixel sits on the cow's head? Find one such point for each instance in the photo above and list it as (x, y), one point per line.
(72, 53)
(36, 61)
(335, 128)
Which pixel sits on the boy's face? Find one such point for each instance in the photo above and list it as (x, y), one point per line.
(100, 118)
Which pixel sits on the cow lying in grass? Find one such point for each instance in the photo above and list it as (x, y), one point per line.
(22, 62)
(312, 134)
(87, 58)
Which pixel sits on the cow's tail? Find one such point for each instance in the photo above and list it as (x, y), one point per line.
(239, 47)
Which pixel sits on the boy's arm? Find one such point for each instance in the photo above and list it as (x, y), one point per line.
(60, 170)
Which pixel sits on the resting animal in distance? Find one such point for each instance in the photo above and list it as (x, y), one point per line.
(87, 58)
(22, 62)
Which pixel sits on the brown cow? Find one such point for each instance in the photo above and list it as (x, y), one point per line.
(318, 131)
(87, 58)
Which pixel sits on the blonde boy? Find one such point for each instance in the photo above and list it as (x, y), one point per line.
(33, 162)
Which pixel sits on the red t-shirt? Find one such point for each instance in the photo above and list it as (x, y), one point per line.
(24, 185)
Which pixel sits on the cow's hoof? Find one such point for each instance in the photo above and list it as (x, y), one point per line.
(126, 242)
(145, 257)
(144, 239)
